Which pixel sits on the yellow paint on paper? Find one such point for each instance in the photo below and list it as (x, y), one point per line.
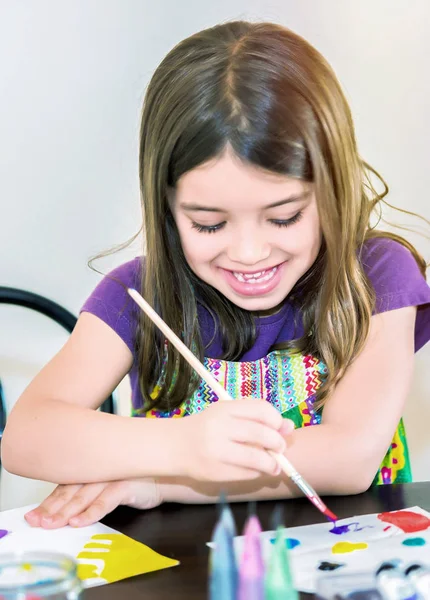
(345, 547)
(122, 557)
(26, 567)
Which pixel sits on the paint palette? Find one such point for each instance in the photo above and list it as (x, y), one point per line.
(353, 545)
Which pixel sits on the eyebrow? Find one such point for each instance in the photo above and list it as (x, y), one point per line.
(198, 208)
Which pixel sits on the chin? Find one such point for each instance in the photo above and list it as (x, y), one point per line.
(257, 303)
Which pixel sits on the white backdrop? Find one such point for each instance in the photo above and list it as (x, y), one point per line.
(72, 79)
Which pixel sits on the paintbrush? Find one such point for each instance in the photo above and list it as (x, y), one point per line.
(222, 394)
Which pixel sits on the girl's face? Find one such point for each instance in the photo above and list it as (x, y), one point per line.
(249, 233)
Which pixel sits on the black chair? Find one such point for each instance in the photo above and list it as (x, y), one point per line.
(50, 309)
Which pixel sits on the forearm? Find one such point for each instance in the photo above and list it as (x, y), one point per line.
(329, 459)
(63, 443)
(189, 491)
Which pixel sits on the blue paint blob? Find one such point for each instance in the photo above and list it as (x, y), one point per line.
(289, 542)
(417, 541)
(341, 529)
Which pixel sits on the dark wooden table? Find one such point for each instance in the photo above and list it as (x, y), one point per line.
(181, 532)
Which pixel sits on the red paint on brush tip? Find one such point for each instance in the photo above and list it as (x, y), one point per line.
(406, 520)
(330, 515)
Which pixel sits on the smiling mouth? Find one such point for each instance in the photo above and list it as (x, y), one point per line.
(257, 277)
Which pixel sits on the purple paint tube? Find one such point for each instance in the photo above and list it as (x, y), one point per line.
(251, 569)
(253, 527)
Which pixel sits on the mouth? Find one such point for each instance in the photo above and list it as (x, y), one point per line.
(256, 276)
(255, 283)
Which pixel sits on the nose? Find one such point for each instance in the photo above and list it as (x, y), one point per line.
(249, 247)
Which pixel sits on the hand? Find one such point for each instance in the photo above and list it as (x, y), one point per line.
(81, 505)
(228, 441)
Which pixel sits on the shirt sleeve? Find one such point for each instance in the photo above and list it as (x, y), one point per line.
(398, 282)
(111, 303)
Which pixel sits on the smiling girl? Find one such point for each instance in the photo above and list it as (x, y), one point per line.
(261, 256)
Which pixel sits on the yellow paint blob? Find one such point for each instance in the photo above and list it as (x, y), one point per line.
(26, 567)
(122, 557)
(345, 547)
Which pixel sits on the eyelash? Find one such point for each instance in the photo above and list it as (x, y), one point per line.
(208, 228)
(288, 222)
(276, 222)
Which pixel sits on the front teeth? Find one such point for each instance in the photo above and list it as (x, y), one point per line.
(260, 277)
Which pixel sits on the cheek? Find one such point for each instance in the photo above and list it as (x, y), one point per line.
(197, 247)
(302, 242)
(310, 236)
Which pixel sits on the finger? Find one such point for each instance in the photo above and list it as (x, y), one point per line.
(250, 432)
(252, 458)
(112, 496)
(253, 409)
(287, 427)
(76, 505)
(54, 502)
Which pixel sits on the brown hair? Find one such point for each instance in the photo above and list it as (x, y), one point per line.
(273, 98)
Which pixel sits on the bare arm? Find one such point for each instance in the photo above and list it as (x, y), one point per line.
(54, 432)
(342, 455)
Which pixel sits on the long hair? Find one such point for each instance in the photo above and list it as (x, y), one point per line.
(270, 96)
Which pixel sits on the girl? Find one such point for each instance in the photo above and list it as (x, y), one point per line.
(261, 255)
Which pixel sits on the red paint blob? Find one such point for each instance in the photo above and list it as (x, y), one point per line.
(407, 521)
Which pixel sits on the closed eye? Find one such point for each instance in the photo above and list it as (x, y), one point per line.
(208, 228)
(218, 226)
(287, 222)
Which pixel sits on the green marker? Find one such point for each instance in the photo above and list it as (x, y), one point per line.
(279, 581)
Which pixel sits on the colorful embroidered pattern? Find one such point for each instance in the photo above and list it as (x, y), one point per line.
(289, 381)
(396, 466)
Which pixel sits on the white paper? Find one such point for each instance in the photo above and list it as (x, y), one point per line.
(108, 554)
(316, 544)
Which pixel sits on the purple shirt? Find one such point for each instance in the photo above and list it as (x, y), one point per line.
(391, 268)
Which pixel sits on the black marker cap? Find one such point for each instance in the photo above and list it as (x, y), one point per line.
(387, 566)
(412, 568)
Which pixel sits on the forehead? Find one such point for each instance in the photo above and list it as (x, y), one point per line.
(227, 180)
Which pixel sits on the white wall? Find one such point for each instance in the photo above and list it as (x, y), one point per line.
(72, 78)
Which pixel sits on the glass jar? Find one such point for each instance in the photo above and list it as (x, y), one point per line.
(37, 575)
